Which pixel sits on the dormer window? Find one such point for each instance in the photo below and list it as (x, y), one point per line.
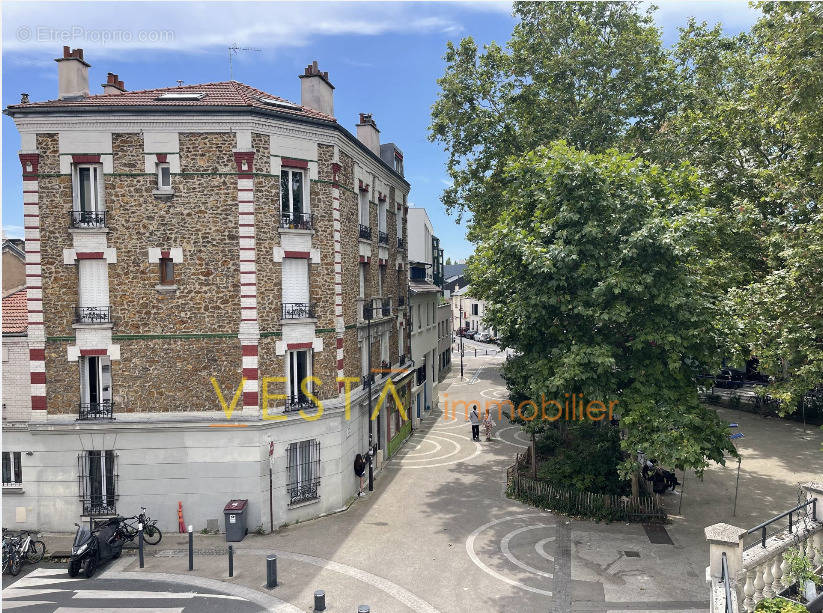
(164, 177)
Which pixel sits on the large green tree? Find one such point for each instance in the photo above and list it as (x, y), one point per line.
(592, 73)
(589, 273)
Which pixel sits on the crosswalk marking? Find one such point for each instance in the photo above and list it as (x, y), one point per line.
(23, 592)
(16, 604)
(34, 581)
(130, 594)
(109, 610)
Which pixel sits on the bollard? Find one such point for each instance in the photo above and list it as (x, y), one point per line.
(140, 543)
(231, 561)
(363, 608)
(271, 571)
(191, 549)
(320, 600)
(475, 352)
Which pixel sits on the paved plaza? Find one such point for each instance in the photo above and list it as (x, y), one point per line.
(438, 534)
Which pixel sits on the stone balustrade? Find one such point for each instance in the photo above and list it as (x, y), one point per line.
(760, 572)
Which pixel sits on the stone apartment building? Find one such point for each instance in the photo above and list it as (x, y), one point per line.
(206, 266)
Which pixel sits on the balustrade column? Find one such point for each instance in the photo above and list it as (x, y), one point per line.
(759, 584)
(748, 592)
(768, 580)
(777, 572)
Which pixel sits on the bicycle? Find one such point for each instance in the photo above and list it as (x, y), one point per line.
(32, 550)
(12, 560)
(151, 533)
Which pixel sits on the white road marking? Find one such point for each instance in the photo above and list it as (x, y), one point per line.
(502, 430)
(137, 595)
(403, 460)
(16, 604)
(397, 592)
(540, 547)
(477, 449)
(48, 572)
(119, 610)
(473, 556)
(35, 581)
(13, 591)
(504, 548)
(437, 447)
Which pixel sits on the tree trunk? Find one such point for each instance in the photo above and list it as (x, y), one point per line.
(636, 484)
(534, 458)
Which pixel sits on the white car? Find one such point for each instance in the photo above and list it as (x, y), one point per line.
(483, 337)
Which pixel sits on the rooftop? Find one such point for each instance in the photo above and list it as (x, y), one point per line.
(15, 313)
(219, 94)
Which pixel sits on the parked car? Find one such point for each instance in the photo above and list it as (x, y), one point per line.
(470, 334)
(483, 337)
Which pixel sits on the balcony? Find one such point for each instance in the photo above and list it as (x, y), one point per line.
(401, 360)
(92, 315)
(87, 219)
(95, 410)
(400, 242)
(401, 300)
(365, 232)
(298, 402)
(299, 310)
(297, 221)
(382, 237)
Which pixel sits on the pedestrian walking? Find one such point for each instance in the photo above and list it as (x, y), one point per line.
(474, 417)
(360, 470)
(487, 426)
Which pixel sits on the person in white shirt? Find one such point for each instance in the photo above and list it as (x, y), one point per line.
(474, 417)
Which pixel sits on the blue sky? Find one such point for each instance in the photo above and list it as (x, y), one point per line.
(383, 58)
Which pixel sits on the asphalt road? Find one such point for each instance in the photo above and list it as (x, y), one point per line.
(49, 589)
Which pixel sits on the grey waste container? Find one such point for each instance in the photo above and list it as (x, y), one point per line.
(235, 512)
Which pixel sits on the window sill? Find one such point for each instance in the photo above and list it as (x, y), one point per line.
(304, 503)
(89, 230)
(163, 194)
(166, 289)
(297, 320)
(365, 241)
(296, 231)
(89, 326)
(13, 489)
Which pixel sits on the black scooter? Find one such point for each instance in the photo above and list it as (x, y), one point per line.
(94, 547)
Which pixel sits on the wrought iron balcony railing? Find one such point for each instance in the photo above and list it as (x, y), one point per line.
(304, 491)
(96, 410)
(297, 221)
(88, 219)
(92, 315)
(297, 402)
(298, 310)
(365, 232)
(382, 237)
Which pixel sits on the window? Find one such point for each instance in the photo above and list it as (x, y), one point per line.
(364, 209)
(475, 309)
(296, 295)
(299, 367)
(166, 271)
(98, 482)
(381, 274)
(12, 469)
(401, 335)
(399, 220)
(419, 316)
(164, 176)
(293, 203)
(304, 471)
(398, 165)
(384, 348)
(381, 215)
(95, 387)
(87, 193)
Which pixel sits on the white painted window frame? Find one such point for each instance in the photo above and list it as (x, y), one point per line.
(96, 178)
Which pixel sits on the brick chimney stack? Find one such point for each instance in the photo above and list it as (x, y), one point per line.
(113, 85)
(316, 91)
(368, 134)
(72, 74)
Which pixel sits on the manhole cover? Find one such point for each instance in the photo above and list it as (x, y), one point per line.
(632, 554)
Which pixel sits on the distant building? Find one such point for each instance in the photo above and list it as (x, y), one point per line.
(16, 377)
(473, 311)
(14, 265)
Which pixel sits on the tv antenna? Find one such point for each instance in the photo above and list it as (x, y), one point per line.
(233, 50)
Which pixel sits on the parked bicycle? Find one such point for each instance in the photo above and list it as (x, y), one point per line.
(21, 548)
(151, 533)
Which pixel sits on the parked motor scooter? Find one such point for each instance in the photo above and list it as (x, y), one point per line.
(92, 548)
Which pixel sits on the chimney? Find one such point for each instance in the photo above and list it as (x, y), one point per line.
(113, 85)
(72, 74)
(368, 134)
(316, 91)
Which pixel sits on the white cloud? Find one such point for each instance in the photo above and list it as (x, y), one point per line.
(11, 231)
(31, 27)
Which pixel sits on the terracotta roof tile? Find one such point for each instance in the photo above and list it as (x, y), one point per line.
(15, 312)
(222, 93)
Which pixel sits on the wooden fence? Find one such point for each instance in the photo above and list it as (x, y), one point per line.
(543, 495)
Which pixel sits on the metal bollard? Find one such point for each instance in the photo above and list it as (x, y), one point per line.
(320, 600)
(231, 561)
(363, 608)
(475, 352)
(140, 543)
(271, 571)
(191, 548)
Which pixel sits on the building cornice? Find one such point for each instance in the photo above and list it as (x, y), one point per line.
(212, 119)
